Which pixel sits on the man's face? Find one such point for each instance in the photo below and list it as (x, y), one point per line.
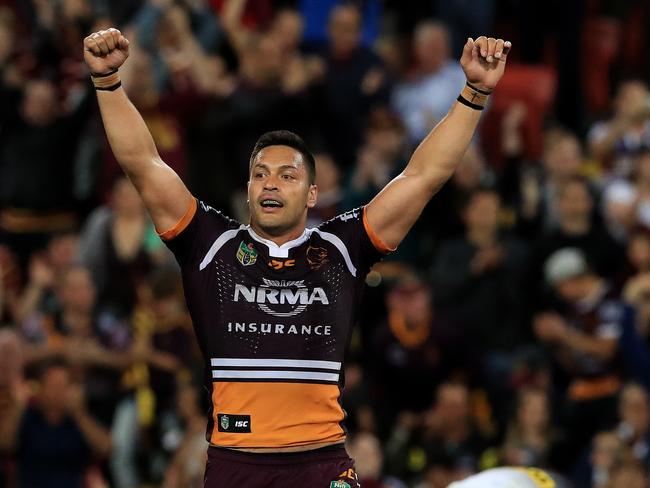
(483, 211)
(564, 157)
(345, 29)
(431, 48)
(575, 202)
(55, 385)
(279, 191)
(39, 104)
(572, 290)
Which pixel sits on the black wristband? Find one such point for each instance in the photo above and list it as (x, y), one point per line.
(484, 92)
(110, 88)
(469, 104)
(103, 75)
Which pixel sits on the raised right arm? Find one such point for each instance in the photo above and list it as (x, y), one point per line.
(164, 194)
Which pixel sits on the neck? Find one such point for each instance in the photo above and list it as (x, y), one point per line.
(575, 226)
(282, 238)
(482, 237)
(594, 289)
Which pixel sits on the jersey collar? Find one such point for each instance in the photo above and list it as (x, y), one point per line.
(282, 251)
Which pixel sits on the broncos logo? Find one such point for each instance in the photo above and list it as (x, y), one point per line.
(316, 257)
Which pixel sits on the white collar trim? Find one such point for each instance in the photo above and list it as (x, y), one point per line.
(282, 251)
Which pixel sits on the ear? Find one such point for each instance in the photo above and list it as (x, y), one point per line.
(312, 196)
(248, 191)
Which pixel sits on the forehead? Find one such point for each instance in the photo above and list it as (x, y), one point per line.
(279, 156)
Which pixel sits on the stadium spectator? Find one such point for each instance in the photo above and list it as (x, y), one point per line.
(578, 228)
(627, 203)
(354, 82)
(478, 277)
(441, 440)
(583, 337)
(415, 346)
(55, 438)
(614, 141)
(118, 245)
(529, 436)
(634, 425)
(423, 100)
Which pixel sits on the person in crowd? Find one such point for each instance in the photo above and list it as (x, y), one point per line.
(39, 137)
(118, 245)
(531, 187)
(627, 202)
(634, 425)
(529, 436)
(415, 346)
(444, 435)
(55, 438)
(424, 99)
(186, 467)
(479, 276)
(578, 228)
(354, 82)
(614, 141)
(583, 335)
(366, 449)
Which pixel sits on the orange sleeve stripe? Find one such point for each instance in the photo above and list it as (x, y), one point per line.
(181, 224)
(374, 238)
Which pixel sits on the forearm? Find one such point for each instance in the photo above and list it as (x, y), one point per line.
(438, 155)
(601, 348)
(10, 420)
(128, 135)
(97, 437)
(164, 361)
(603, 147)
(29, 301)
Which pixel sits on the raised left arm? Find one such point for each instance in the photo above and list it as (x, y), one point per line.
(392, 213)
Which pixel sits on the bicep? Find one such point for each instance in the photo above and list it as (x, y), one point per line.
(164, 194)
(393, 212)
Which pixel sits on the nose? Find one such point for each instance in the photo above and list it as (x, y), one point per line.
(271, 183)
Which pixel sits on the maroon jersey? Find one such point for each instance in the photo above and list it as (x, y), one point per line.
(273, 323)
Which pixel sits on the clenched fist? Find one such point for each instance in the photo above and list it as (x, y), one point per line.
(484, 61)
(105, 51)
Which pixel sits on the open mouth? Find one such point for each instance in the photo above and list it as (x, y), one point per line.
(271, 203)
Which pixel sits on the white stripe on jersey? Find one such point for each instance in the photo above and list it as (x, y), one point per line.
(271, 363)
(214, 249)
(276, 375)
(338, 243)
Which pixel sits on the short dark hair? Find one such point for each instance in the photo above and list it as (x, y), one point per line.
(286, 138)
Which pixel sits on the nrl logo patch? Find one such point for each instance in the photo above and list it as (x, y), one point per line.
(225, 422)
(246, 254)
(339, 484)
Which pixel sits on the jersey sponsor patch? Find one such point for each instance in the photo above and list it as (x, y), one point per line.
(236, 424)
(278, 264)
(246, 254)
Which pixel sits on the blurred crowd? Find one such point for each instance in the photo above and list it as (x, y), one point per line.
(511, 327)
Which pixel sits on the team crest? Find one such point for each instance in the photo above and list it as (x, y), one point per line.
(246, 254)
(316, 257)
(225, 422)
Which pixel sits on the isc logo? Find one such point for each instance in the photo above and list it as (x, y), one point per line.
(241, 423)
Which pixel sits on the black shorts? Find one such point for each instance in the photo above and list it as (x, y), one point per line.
(329, 467)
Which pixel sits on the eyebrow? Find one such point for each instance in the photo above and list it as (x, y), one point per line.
(282, 167)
